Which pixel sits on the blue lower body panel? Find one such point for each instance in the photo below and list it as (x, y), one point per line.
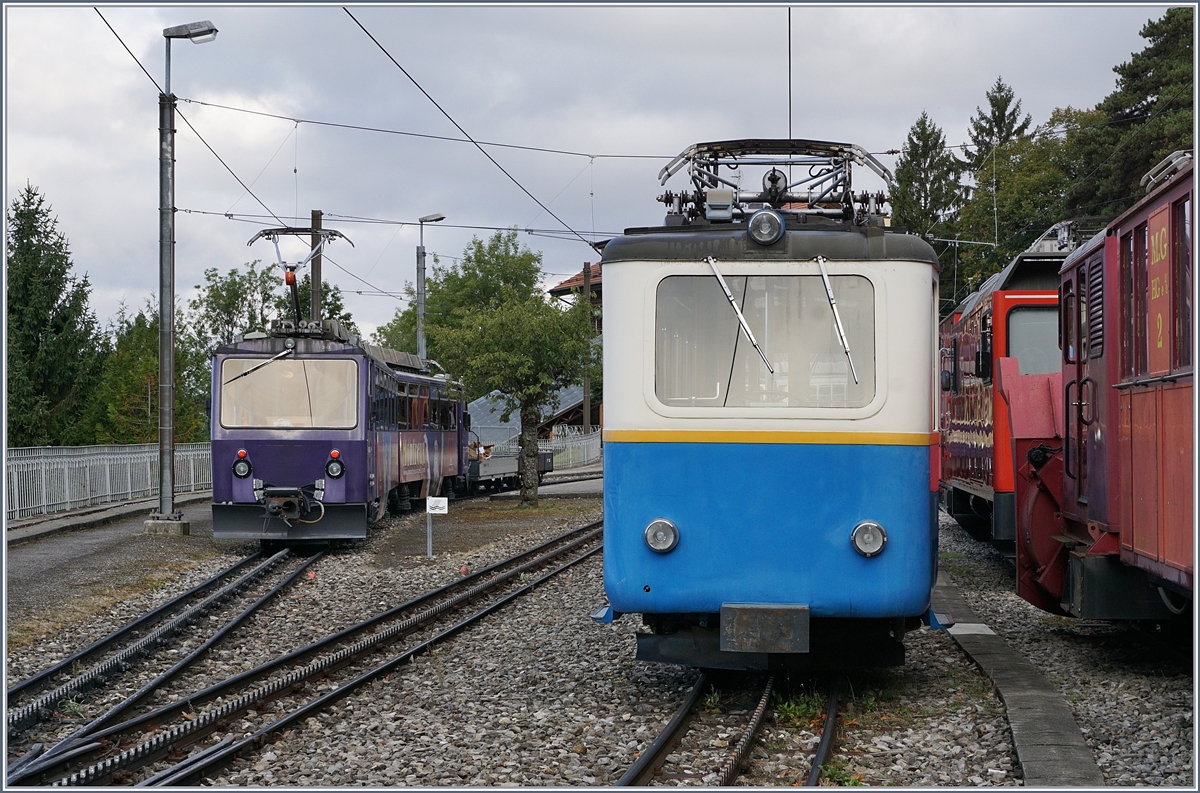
(768, 523)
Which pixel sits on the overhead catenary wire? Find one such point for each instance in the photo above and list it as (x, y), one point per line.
(465, 133)
(404, 133)
(245, 217)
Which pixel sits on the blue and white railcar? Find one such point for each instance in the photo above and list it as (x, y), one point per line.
(768, 391)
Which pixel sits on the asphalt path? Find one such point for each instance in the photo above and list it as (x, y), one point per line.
(114, 558)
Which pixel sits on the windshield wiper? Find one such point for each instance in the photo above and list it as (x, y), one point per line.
(745, 326)
(259, 366)
(836, 316)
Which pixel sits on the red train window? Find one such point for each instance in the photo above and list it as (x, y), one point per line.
(1128, 358)
(1183, 283)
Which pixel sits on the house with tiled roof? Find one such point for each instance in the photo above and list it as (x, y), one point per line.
(575, 282)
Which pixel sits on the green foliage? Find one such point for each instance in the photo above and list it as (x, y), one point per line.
(1148, 116)
(1020, 193)
(837, 771)
(128, 388)
(332, 304)
(927, 187)
(54, 345)
(232, 304)
(998, 125)
(478, 281)
(802, 709)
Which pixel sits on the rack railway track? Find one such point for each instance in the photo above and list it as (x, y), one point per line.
(120, 753)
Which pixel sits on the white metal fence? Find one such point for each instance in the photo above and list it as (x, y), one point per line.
(571, 447)
(44, 479)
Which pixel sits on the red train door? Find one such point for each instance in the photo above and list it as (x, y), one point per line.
(1078, 387)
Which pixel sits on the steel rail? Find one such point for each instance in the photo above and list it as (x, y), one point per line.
(194, 771)
(149, 618)
(651, 759)
(53, 756)
(827, 736)
(187, 733)
(32, 712)
(208, 722)
(733, 766)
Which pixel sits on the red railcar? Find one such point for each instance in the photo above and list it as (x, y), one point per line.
(1104, 447)
(1014, 314)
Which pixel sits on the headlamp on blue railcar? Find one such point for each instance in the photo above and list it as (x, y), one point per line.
(662, 536)
(241, 466)
(766, 226)
(868, 538)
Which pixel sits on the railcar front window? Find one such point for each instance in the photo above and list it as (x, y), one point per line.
(703, 359)
(310, 393)
(1033, 338)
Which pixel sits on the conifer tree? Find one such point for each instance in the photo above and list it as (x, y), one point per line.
(54, 344)
(999, 124)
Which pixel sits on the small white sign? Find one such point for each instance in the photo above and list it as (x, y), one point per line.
(437, 506)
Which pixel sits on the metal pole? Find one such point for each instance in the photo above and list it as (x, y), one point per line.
(428, 533)
(315, 312)
(421, 304)
(587, 381)
(166, 302)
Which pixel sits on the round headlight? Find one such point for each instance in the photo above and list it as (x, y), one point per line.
(335, 468)
(868, 538)
(766, 226)
(242, 468)
(661, 535)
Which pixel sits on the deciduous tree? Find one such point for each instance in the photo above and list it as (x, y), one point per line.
(527, 349)
(477, 281)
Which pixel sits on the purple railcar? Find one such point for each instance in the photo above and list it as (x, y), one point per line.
(316, 434)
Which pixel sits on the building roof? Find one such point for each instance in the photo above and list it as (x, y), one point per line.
(576, 282)
(486, 411)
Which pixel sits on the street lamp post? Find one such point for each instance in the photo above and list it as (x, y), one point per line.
(168, 520)
(434, 218)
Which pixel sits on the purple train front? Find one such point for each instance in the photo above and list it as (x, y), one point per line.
(316, 434)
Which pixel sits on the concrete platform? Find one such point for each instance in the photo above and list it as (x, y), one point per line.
(1050, 748)
(30, 529)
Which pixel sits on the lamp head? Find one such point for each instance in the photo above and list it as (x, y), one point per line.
(196, 32)
(434, 218)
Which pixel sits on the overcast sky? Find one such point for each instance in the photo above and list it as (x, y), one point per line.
(81, 117)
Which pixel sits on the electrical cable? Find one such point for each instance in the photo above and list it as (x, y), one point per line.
(246, 217)
(484, 151)
(185, 120)
(403, 133)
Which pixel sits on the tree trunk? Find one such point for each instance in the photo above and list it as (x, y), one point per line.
(530, 418)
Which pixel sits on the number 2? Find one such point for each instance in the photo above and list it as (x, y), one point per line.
(1158, 322)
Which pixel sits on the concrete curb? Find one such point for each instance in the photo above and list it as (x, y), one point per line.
(1050, 748)
(85, 519)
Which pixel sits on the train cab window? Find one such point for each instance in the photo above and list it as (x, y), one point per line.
(1183, 283)
(1070, 344)
(1031, 338)
(703, 358)
(1134, 303)
(289, 392)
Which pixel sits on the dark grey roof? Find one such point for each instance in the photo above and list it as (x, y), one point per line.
(487, 410)
(729, 241)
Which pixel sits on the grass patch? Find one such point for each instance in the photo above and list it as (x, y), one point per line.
(801, 709)
(712, 700)
(837, 773)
